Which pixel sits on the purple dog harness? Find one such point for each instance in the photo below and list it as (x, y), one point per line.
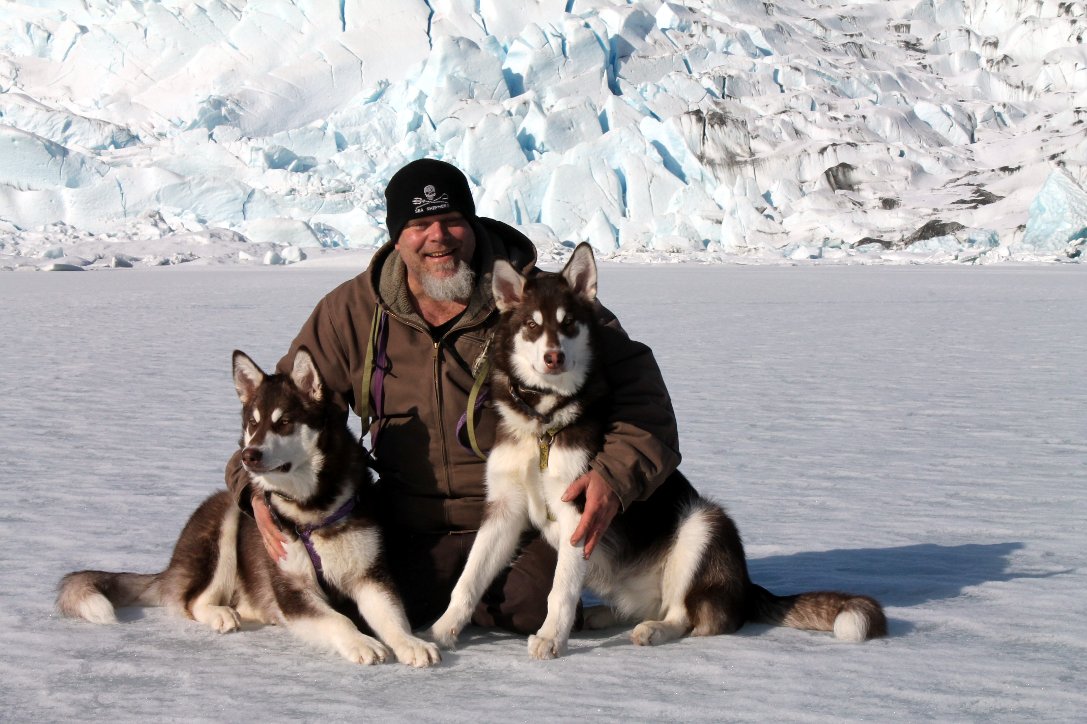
(305, 531)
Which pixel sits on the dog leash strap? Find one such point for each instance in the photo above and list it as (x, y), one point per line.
(381, 365)
(474, 399)
(376, 334)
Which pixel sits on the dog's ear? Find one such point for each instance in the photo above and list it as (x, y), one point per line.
(507, 284)
(247, 376)
(306, 377)
(580, 272)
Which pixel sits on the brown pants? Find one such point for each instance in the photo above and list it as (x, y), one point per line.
(426, 566)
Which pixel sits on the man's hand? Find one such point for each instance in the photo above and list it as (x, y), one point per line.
(601, 505)
(274, 540)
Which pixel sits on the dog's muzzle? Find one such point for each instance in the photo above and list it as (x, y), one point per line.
(253, 461)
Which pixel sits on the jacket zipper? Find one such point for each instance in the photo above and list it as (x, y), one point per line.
(440, 410)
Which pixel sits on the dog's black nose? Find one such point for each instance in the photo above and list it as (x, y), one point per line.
(554, 359)
(252, 456)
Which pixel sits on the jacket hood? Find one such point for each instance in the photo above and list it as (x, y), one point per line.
(387, 274)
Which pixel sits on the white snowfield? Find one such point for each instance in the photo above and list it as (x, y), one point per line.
(914, 433)
(226, 131)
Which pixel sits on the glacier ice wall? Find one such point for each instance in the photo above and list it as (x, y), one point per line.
(713, 129)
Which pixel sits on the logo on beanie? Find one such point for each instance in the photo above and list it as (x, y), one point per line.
(430, 201)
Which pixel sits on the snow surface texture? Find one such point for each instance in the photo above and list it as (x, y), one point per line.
(915, 433)
(844, 131)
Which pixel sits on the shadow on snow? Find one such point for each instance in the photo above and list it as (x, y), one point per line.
(904, 576)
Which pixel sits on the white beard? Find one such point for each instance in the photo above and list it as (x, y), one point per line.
(457, 288)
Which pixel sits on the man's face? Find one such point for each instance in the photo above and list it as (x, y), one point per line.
(435, 249)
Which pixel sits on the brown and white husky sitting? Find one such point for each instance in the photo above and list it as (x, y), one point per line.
(674, 563)
(302, 456)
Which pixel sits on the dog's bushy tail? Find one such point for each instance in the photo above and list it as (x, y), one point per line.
(850, 617)
(94, 595)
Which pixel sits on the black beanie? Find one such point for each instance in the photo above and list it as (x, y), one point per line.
(423, 188)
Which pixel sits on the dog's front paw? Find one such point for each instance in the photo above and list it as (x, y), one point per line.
(363, 649)
(418, 653)
(544, 647)
(444, 632)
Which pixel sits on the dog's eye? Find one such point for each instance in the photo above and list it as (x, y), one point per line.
(252, 422)
(530, 324)
(568, 322)
(282, 422)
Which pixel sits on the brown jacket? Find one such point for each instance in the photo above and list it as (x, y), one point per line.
(430, 480)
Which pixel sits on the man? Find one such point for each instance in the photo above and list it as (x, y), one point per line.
(432, 286)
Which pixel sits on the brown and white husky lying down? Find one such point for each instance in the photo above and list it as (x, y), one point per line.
(313, 475)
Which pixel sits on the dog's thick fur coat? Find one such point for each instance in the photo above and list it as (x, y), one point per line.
(674, 563)
(304, 460)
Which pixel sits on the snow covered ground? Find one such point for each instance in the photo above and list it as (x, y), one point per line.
(854, 131)
(916, 433)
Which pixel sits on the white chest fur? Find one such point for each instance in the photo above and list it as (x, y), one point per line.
(515, 474)
(343, 555)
